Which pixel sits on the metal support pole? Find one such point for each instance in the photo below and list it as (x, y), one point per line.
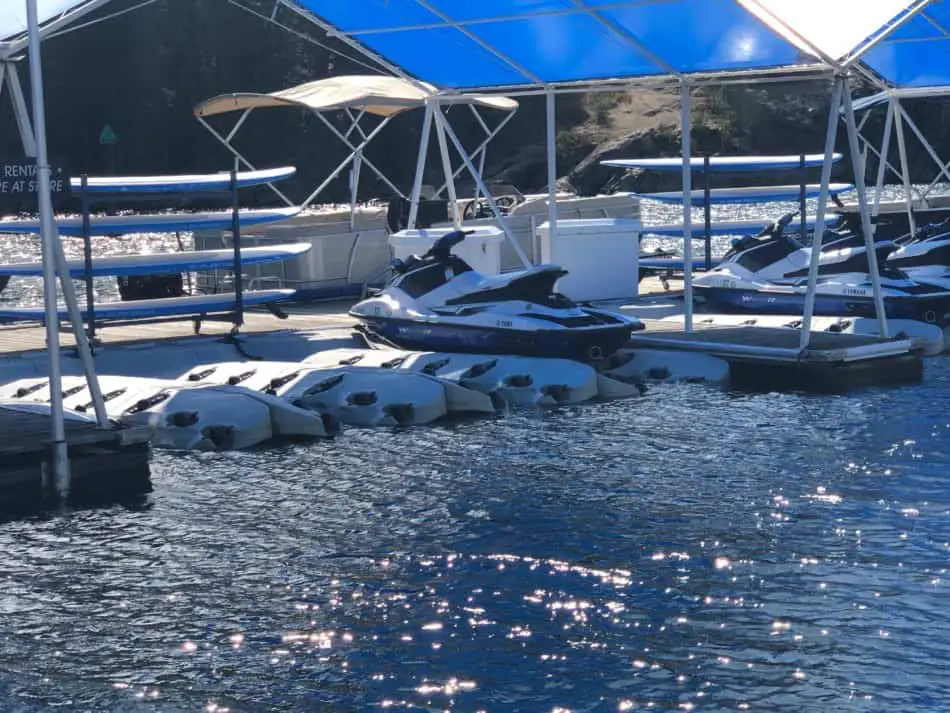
(424, 140)
(905, 166)
(707, 212)
(447, 167)
(802, 192)
(355, 187)
(866, 225)
(502, 221)
(686, 126)
(882, 164)
(830, 136)
(60, 455)
(236, 234)
(87, 258)
(551, 150)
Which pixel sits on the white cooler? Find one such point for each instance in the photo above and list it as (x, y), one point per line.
(601, 256)
(481, 249)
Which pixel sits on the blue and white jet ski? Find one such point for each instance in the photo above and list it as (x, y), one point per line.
(768, 274)
(925, 255)
(437, 302)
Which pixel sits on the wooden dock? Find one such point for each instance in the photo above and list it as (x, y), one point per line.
(106, 464)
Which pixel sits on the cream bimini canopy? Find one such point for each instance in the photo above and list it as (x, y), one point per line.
(376, 94)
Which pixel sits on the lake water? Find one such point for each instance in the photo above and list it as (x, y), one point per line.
(691, 550)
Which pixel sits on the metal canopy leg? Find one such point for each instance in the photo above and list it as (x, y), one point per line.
(686, 127)
(48, 235)
(424, 140)
(905, 166)
(447, 166)
(551, 121)
(830, 136)
(866, 225)
(882, 162)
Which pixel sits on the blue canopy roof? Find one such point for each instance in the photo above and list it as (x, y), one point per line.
(916, 54)
(477, 44)
(466, 44)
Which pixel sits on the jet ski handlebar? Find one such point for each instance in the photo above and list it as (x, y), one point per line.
(442, 248)
(441, 251)
(778, 226)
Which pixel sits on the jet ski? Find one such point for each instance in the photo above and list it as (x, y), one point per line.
(768, 274)
(925, 255)
(437, 302)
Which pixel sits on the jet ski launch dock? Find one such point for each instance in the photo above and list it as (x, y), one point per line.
(771, 357)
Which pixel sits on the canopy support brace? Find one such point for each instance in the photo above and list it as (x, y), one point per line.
(226, 142)
(502, 221)
(482, 149)
(357, 151)
(10, 76)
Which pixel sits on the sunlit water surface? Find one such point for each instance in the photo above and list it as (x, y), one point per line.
(690, 550)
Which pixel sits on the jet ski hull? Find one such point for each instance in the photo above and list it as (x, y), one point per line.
(584, 344)
(925, 308)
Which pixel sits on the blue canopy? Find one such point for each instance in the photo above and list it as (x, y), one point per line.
(481, 44)
(466, 44)
(916, 54)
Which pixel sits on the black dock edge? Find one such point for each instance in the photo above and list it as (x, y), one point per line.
(826, 377)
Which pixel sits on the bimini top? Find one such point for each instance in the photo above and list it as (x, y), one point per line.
(376, 94)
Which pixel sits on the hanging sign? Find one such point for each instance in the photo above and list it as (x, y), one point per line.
(19, 185)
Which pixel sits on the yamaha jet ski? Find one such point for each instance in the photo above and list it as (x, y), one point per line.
(768, 274)
(437, 302)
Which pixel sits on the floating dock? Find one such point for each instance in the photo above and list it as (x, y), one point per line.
(760, 357)
(106, 464)
(771, 358)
